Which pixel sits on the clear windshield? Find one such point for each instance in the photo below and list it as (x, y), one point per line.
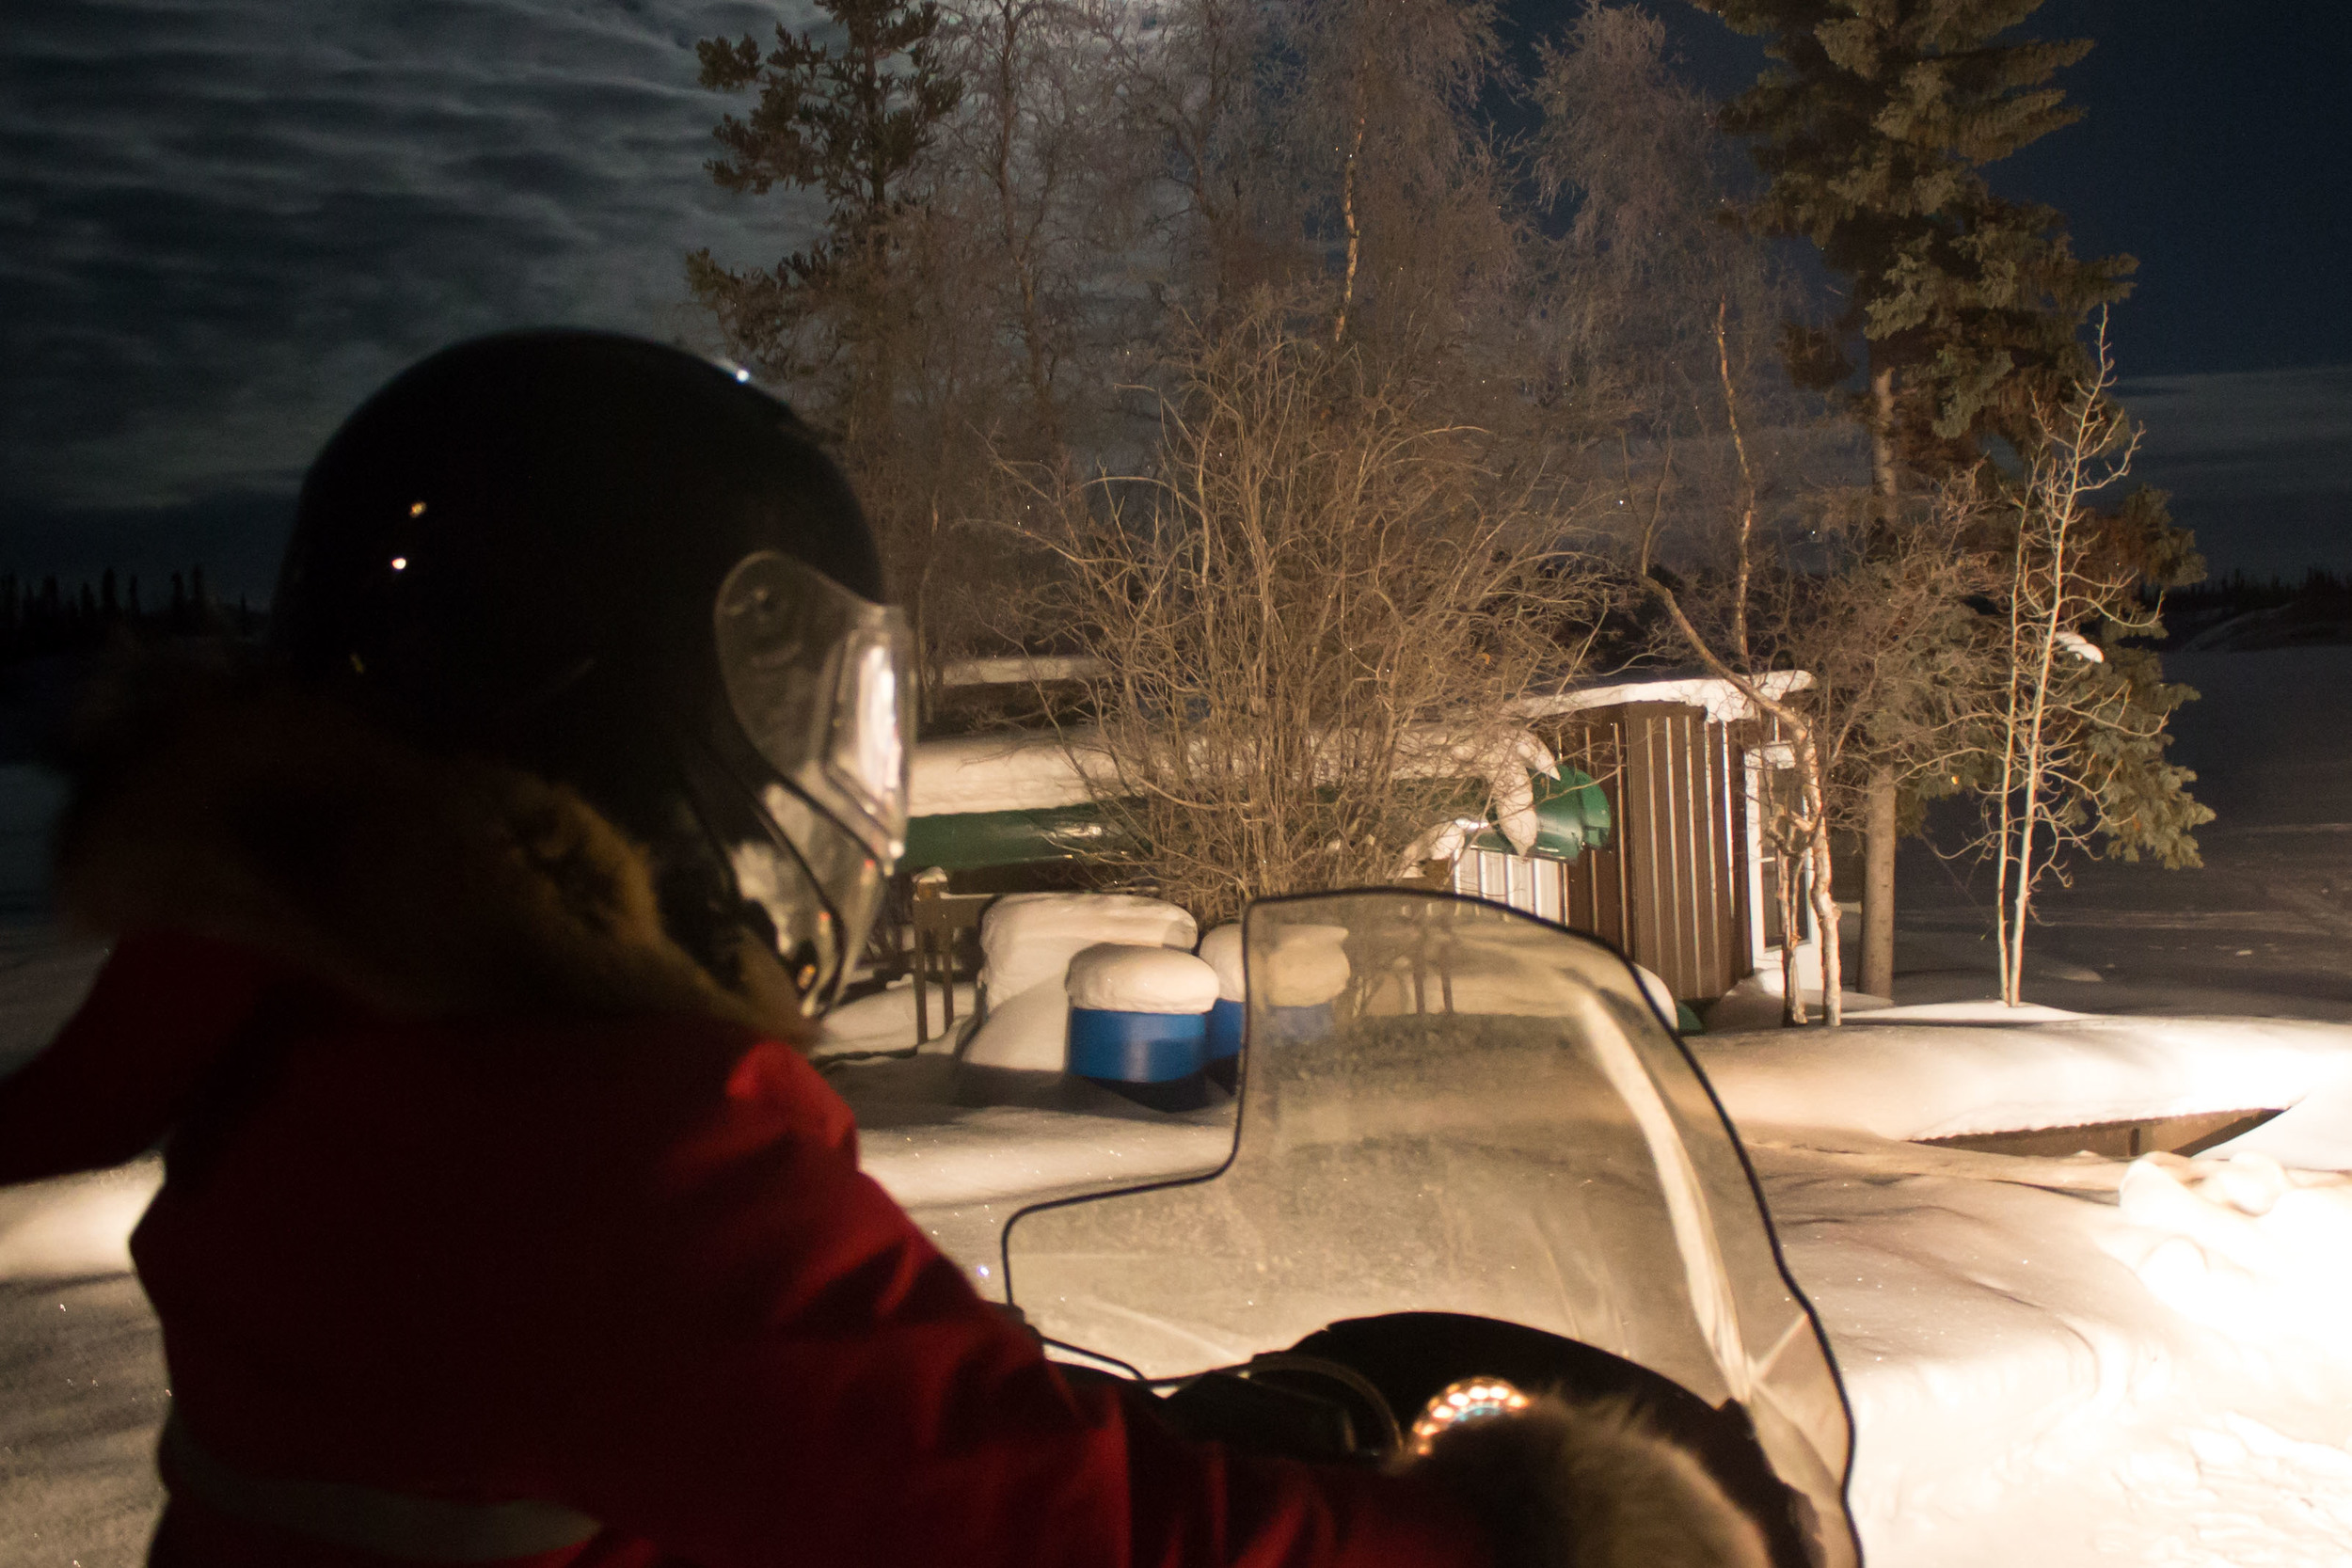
(1449, 1107)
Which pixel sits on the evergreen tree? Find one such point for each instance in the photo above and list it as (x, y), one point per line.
(1872, 132)
(851, 120)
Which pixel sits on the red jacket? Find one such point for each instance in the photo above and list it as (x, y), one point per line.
(626, 1265)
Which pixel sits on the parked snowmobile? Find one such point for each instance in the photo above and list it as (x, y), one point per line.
(1469, 1159)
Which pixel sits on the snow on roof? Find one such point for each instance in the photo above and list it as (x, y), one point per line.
(1723, 701)
(1021, 669)
(1042, 770)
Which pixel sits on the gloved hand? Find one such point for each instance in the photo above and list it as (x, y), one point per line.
(1591, 1485)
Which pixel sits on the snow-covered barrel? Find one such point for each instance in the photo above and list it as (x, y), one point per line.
(1139, 1016)
(1222, 951)
(1027, 940)
(1308, 972)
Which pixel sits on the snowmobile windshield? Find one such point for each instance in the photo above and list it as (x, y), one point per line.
(817, 678)
(1448, 1106)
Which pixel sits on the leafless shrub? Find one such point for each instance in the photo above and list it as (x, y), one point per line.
(1314, 607)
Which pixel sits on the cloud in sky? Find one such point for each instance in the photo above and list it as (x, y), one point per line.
(229, 220)
(2258, 463)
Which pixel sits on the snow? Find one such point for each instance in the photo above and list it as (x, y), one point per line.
(1222, 951)
(76, 1226)
(1004, 772)
(1309, 967)
(1724, 702)
(1123, 978)
(1028, 939)
(1035, 772)
(1913, 1080)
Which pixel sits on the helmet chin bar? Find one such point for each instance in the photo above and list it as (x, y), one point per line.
(817, 883)
(814, 766)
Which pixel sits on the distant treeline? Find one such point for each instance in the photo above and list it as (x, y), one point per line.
(2237, 593)
(49, 617)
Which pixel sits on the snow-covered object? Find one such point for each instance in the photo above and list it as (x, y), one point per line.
(1027, 943)
(2080, 646)
(1222, 951)
(1039, 772)
(1029, 1033)
(1725, 703)
(1662, 995)
(1891, 1074)
(1122, 977)
(1027, 939)
(1504, 761)
(1441, 841)
(1005, 772)
(2246, 1247)
(1308, 968)
(1020, 669)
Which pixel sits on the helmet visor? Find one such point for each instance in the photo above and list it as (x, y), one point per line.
(817, 680)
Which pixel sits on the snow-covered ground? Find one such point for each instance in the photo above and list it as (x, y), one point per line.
(2050, 1360)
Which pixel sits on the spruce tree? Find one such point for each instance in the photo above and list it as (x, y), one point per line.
(1967, 308)
(1872, 131)
(851, 120)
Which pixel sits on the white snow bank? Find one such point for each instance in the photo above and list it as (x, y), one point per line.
(1222, 951)
(2313, 1134)
(1035, 772)
(2242, 1245)
(76, 1226)
(1122, 978)
(885, 1021)
(1912, 1080)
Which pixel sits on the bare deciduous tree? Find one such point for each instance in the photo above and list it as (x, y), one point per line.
(1314, 609)
(2072, 749)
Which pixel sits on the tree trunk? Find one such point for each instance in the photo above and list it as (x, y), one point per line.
(1878, 885)
(1883, 440)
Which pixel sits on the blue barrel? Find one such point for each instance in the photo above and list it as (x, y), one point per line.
(1135, 1048)
(1225, 1020)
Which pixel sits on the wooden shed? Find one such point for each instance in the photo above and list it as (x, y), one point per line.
(1680, 881)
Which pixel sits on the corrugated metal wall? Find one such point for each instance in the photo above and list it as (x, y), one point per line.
(1672, 888)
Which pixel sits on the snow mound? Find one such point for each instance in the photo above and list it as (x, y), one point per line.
(1912, 1080)
(2242, 1245)
(1121, 978)
(1308, 968)
(1222, 951)
(1662, 995)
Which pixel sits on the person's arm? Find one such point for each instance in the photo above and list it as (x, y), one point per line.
(122, 1071)
(784, 1370)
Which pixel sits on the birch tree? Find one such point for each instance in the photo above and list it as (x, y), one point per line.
(2078, 731)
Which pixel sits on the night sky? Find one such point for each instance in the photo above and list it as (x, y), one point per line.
(227, 220)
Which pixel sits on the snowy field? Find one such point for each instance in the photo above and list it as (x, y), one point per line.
(2050, 1360)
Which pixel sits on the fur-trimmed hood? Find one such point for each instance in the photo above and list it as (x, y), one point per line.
(243, 810)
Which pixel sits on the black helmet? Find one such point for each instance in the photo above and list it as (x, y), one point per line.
(620, 566)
